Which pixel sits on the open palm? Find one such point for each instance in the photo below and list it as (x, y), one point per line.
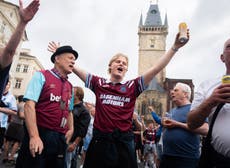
(26, 14)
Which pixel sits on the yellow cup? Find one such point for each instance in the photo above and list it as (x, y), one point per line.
(226, 79)
(183, 32)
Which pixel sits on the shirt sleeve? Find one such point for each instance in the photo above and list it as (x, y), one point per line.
(156, 117)
(88, 80)
(199, 96)
(34, 87)
(13, 104)
(72, 101)
(139, 82)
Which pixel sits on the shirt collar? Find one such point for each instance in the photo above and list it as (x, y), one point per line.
(59, 74)
(109, 81)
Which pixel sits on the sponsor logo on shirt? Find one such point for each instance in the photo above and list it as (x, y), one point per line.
(123, 89)
(54, 98)
(114, 100)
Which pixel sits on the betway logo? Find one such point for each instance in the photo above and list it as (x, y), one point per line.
(54, 98)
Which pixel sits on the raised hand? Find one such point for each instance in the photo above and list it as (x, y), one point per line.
(26, 14)
(177, 44)
(52, 46)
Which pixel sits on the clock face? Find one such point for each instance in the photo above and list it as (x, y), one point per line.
(152, 42)
(154, 11)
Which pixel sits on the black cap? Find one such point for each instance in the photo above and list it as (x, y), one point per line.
(64, 49)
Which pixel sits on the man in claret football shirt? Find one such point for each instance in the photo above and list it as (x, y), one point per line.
(49, 122)
(112, 145)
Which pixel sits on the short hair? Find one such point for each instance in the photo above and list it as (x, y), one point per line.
(186, 88)
(79, 92)
(150, 122)
(115, 57)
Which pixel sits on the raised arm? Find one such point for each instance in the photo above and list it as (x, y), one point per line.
(156, 117)
(163, 61)
(52, 46)
(198, 115)
(26, 14)
(82, 74)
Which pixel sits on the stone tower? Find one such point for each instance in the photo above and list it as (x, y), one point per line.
(152, 43)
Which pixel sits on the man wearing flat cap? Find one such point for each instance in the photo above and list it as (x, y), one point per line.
(49, 122)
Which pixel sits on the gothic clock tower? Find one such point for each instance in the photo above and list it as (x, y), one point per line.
(152, 43)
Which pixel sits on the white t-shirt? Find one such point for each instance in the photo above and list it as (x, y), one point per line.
(220, 133)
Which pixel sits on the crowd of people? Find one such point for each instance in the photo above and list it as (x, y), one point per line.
(51, 122)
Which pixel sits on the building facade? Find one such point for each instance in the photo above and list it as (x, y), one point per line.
(24, 64)
(9, 19)
(24, 70)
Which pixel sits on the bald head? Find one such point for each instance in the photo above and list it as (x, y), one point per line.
(226, 44)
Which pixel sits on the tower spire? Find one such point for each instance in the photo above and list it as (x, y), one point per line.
(152, 1)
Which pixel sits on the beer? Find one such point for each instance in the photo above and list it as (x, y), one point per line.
(183, 32)
(226, 79)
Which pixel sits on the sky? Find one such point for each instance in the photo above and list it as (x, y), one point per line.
(98, 29)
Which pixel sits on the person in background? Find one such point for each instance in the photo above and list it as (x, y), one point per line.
(6, 55)
(158, 143)
(81, 120)
(208, 96)
(89, 134)
(149, 136)
(112, 144)
(181, 145)
(138, 131)
(8, 107)
(48, 116)
(14, 133)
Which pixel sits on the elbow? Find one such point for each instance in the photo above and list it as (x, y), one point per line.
(191, 125)
(192, 122)
(10, 52)
(205, 128)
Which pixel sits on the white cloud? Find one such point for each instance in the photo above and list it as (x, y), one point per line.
(99, 29)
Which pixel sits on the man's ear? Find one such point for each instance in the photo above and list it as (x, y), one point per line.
(222, 58)
(57, 58)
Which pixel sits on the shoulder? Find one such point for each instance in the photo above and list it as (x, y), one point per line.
(39, 75)
(209, 84)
